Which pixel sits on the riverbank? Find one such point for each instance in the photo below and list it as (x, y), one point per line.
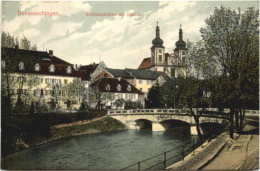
(61, 131)
(222, 153)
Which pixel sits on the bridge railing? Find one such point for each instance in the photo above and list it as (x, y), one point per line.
(184, 111)
(160, 111)
(148, 111)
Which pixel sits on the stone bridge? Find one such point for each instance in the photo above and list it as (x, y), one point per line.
(162, 119)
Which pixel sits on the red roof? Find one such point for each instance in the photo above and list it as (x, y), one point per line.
(89, 68)
(113, 83)
(146, 63)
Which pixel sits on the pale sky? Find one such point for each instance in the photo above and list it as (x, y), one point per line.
(120, 41)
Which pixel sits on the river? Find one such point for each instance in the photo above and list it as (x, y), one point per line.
(107, 150)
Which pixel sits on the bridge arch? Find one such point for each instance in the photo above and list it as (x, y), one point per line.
(174, 123)
(144, 123)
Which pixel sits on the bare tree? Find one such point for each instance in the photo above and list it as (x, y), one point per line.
(96, 96)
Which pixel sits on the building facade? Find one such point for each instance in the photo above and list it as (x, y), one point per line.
(116, 93)
(143, 80)
(42, 78)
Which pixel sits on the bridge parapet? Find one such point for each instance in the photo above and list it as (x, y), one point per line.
(160, 111)
(182, 111)
(148, 111)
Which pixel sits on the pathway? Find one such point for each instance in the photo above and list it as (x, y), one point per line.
(224, 153)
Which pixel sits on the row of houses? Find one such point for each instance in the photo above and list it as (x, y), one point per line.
(49, 80)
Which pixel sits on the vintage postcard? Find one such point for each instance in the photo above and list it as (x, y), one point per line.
(131, 85)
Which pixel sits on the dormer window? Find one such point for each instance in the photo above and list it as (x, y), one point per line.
(37, 67)
(108, 87)
(118, 87)
(21, 66)
(3, 64)
(68, 69)
(52, 68)
(128, 88)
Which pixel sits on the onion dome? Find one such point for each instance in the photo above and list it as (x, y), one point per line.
(180, 44)
(157, 41)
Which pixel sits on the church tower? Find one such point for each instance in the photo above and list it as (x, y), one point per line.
(180, 49)
(180, 65)
(157, 50)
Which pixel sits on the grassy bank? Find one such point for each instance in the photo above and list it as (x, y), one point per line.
(103, 125)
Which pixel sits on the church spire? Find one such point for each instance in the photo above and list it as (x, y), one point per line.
(180, 33)
(157, 31)
(157, 41)
(180, 44)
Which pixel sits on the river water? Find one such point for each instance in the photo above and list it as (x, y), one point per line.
(108, 150)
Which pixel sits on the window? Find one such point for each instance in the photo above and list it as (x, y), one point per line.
(120, 96)
(160, 51)
(183, 59)
(140, 81)
(47, 80)
(108, 87)
(11, 78)
(128, 88)
(21, 66)
(118, 87)
(160, 58)
(37, 67)
(69, 69)
(3, 64)
(41, 80)
(37, 80)
(21, 79)
(173, 72)
(52, 68)
(141, 89)
(65, 81)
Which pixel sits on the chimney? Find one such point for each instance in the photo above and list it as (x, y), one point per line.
(16, 47)
(51, 53)
(76, 67)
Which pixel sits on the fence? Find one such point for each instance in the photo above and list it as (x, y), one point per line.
(163, 158)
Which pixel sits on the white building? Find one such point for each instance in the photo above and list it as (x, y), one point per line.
(42, 77)
(117, 89)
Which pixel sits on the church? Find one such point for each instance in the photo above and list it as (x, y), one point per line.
(172, 64)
